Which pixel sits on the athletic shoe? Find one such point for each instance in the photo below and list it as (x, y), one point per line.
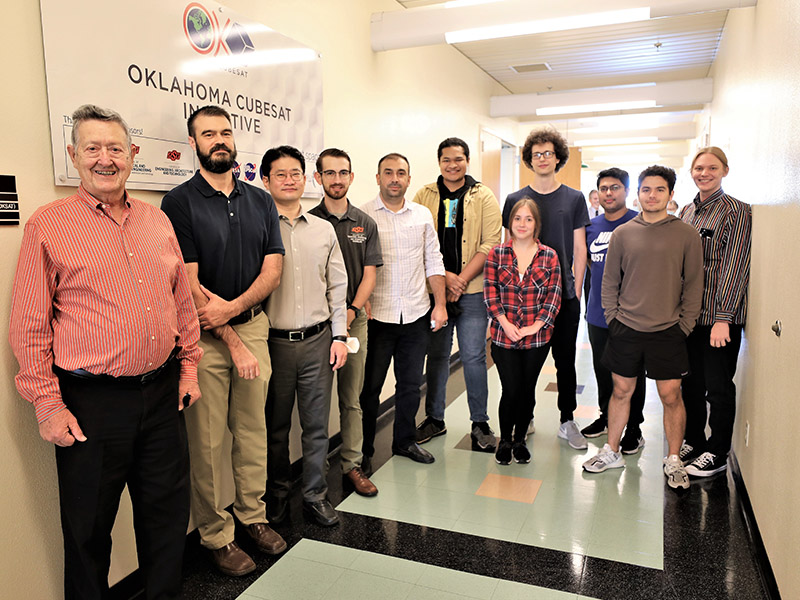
(688, 453)
(483, 439)
(707, 464)
(605, 459)
(569, 431)
(521, 452)
(503, 454)
(531, 429)
(631, 442)
(430, 428)
(596, 429)
(676, 473)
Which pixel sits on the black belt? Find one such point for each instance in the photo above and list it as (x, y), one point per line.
(298, 335)
(143, 379)
(247, 315)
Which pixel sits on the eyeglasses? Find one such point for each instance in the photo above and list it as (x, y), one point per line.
(282, 175)
(331, 174)
(609, 188)
(546, 154)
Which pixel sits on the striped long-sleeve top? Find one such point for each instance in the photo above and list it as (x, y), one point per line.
(536, 296)
(91, 293)
(725, 227)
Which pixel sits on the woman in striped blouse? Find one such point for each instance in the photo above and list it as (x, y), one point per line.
(522, 291)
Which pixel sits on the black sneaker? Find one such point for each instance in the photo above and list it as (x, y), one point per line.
(688, 453)
(503, 454)
(631, 442)
(596, 429)
(430, 428)
(521, 453)
(707, 464)
(483, 439)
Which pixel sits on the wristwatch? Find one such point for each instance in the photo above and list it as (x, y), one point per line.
(340, 338)
(353, 308)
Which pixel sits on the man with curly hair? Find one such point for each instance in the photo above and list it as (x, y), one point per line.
(564, 220)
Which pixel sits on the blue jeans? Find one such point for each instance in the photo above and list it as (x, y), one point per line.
(471, 326)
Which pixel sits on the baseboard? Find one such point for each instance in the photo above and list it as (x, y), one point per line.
(768, 581)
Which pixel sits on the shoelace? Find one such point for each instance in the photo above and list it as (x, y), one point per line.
(685, 451)
(704, 460)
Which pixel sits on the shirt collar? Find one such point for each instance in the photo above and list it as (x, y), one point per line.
(701, 205)
(324, 210)
(380, 205)
(199, 182)
(93, 202)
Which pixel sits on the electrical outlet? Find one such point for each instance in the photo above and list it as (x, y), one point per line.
(747, 433)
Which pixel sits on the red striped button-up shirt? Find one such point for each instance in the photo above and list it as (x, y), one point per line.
(90, 293)
(534, 297)
(725, 226)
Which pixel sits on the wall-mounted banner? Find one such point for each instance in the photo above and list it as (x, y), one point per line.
(154, 62)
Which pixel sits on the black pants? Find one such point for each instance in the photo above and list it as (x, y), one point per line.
(598, 337)
(711, 380)
(135, 436)
(563, 343)
(519, 371)
(406, 343)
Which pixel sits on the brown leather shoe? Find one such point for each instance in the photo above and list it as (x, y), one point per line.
(266, 538)
(232, 560)
(362, 484)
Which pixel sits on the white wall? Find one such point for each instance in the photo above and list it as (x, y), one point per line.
(405, 101)
(754, 119)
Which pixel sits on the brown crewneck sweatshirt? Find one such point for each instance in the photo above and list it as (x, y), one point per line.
(654, 275)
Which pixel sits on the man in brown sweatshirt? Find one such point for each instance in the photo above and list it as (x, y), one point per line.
(652, 295)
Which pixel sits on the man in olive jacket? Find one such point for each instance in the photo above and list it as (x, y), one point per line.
(467, 218)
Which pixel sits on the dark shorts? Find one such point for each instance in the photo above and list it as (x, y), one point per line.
(662, 353)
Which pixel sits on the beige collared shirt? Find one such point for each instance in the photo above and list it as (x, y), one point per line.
(314, 281)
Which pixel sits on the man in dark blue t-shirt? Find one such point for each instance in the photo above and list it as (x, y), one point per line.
(613, 186)
(564, 221)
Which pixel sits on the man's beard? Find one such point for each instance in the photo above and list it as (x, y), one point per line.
(217, 165)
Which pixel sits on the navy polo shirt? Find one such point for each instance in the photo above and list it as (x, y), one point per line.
(228, 237)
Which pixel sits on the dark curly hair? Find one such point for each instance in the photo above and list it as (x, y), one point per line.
(542, 136)
(665, 173)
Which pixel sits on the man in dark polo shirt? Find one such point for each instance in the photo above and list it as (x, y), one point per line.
(231, 242)
(358, 239)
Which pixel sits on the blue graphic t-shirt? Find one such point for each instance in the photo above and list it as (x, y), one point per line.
(598, 234)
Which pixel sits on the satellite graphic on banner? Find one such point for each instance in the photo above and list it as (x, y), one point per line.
(178, 57)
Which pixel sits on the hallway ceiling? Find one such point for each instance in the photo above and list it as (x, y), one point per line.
(664, 49)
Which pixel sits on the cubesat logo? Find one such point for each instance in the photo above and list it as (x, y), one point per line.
(250, 171)
(208, 37)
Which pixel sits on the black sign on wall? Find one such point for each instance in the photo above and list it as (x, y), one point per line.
(9, 203)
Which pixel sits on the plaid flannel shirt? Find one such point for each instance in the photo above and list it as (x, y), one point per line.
(537, 297)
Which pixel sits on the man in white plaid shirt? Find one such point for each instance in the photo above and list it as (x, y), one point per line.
(401, 311)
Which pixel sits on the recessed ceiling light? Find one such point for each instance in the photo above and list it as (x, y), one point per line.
(587, 108)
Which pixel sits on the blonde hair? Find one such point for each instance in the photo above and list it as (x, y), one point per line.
(711, 150)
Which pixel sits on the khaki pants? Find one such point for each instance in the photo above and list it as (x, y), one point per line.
(236, 404)
(349, 382)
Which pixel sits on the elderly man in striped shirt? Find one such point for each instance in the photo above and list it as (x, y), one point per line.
(105, 332)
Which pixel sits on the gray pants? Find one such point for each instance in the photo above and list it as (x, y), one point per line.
(300, 368)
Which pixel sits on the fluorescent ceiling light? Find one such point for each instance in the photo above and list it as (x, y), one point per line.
(629, 159)
(586, 108)
(250, 59)
(645, 139)
(613, 17)
(463, 3)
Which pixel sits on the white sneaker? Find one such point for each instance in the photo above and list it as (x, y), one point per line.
(569, 431)
(605, 459)
(531, 429)
(676, 473)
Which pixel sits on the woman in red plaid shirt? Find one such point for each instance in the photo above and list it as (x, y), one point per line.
(522, 291)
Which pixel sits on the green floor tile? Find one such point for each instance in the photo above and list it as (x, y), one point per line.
(510, 590)
(295, 578)
(354, 584)
(456, 582)
(321, 553)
